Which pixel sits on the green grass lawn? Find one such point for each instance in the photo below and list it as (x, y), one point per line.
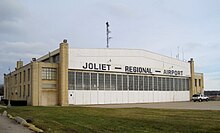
(131, 120)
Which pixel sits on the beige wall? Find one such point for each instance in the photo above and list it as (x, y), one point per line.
(199, 83)
(26, 83)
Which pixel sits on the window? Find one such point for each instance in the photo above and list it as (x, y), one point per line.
(164, 84)
(195, 82)
(187, 84)
(171, 84)
(24, 91)
(93, 81)
(176, 85)
(119, 82)
(24, 76)
(86, 81)
(20, 91)
(146, 83)
(155, 83)
(125, 83)
(136, 83)
(180, 84)
(150, 83)
(141, 85)
(71, 80)
(107, 81)
(184, 84)
(113, 82)
(159, 83)
(29, 74)
(49, 73)
(168, 84)
(131, 85)
(29, 91)
(101, 81)
(78, 80)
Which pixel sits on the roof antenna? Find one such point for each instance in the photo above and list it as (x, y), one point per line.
(107, 33)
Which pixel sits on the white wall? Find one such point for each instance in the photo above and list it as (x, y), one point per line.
(116, 97)
(126, 57)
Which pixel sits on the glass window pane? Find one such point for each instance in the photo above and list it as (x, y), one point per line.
(86, 81)
(93, 81)
(119, 82)
(125, 83)
(155, 83)
(136, 83)
(168, 84)
(71, 80)
(131, 86)
(101, 81)
(159, 83)
(78, 80)
(150, 83)
(146, 83)
(141, 79)
(107, 81)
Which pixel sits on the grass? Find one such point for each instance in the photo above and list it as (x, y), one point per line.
(130, 120)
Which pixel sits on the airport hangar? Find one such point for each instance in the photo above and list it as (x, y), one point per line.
(75, 76)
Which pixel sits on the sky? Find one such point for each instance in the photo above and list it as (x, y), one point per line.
(190, 28)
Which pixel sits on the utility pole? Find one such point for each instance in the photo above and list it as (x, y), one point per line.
(107, 33)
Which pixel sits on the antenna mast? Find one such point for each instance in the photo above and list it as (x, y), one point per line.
(107, 33)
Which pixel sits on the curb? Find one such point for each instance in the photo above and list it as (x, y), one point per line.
(23, 122)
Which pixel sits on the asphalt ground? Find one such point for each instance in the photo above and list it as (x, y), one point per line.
(210, 105)
(10, 126)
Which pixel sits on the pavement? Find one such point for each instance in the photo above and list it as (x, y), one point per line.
(10, 126)
(210, 105)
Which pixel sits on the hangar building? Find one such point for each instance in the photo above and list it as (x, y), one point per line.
(101, 76)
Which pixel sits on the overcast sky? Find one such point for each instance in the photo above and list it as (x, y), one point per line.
(31, 28)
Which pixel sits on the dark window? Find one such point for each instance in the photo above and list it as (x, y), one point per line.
(119, 82)
(125, 83)
(101, 81)
(24, 76)
(93, 81)
(29, 90)
(141, 84)
(86, 81)
(159, 83)
(29, 74)
(150, 83)
(107, 81)
(113, 82)
(146, 82)
(79, 81)
(71, 80)
(131, 84)
(24, 91)
(155, 83)
(195, 82)
(136, 83)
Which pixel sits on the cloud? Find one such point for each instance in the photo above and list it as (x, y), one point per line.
(11, 10)
(12, 15)
(10, 52)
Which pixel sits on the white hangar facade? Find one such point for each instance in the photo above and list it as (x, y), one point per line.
(76, 76)
(112, 76)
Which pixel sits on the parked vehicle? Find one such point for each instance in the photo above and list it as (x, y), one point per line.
(199, 97)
